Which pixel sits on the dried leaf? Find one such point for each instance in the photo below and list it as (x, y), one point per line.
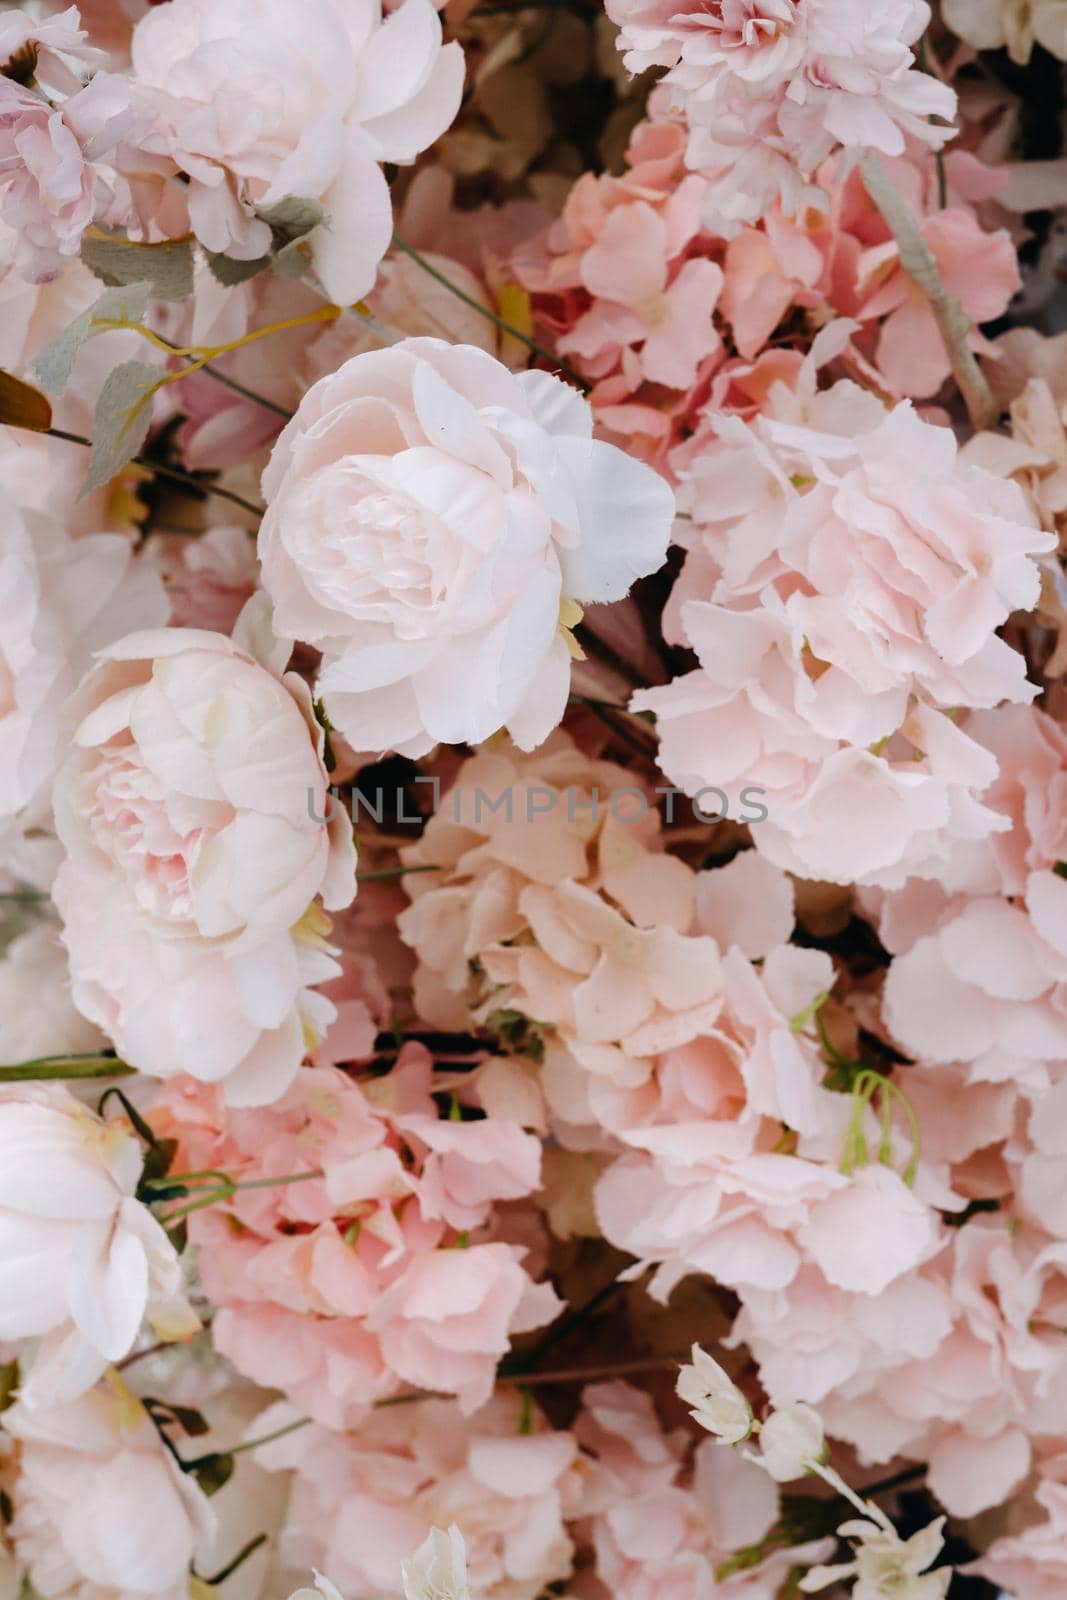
(117, 260)
(121, 420)
(55, 362)
(214, 1472)
(23, 406)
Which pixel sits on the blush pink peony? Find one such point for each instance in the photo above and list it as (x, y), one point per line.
(259, 104)
(434, 523)
(196, 861)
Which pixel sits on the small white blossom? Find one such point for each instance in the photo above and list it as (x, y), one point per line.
(792, 1442)
(714, 1399)
(323, 1590)
(887, 1567)
(438, 1569)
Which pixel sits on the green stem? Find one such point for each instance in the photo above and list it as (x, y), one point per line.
(61, 1067)
(224, 1191)
(173, 474)
(268, 1438)
(238, 1561)
(232, 383)
(491, 316)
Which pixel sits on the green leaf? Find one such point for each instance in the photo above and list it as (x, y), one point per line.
(292, 217)
(23, 406)
(121, 421)
(54, 364)
(117, 260)
(228, 271)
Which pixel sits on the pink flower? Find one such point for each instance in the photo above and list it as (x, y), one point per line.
(386, 1269)
(770, 87)
(362, 1504)
(465, 511)
(48, 186)
(49, 46)
(190, 811)
(208, 578)
(80, 1259)
(259, 104)
(979, 268)
(850, 602)
(101, 1510)
(448, 1319)
(1032, 1564)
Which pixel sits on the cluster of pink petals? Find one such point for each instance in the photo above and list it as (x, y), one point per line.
(672, 324)
(684, 1061)
(958, 1365)
(846, 574)
(978, 976)
(103, 1512)
(771, 87)
(360, 1504)
(1033, 1562)
(53, 180)
(623, 280)
(659, 1525)
(385, 1271)
(534, 1504)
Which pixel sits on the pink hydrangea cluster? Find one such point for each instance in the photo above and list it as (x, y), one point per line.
(533, 800)
(771, 87)
(341, 1289)
(671, 323)
(846, 574)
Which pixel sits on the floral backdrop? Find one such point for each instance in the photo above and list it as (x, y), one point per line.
(533, 800)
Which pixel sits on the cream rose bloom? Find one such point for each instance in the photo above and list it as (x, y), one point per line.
(261, 101)
(434, 523)
(196, 861)
(81, 1260)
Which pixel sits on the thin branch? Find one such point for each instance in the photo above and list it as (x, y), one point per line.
(186, 479)
(66, 1067)
(917, 260)
(232, 383)
(596, 1374)
(491, 316)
